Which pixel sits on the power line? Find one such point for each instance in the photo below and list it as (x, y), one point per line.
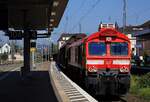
(87, 13)
(66, 25)
(137, 14)
(79, 9)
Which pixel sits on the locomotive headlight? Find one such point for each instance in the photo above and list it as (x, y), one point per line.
(121, 62)
(124, 69)
(92, 69)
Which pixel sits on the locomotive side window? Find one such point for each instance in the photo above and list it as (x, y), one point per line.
(118, 48)
(97, 48)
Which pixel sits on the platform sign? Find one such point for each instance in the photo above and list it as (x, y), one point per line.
(15, 35)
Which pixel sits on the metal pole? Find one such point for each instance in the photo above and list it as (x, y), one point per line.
(42, 53)
(124, 15)
(47, 53)
(33, 56)
(46, 50)
(80, 27)
(49, 49)
(26, 69)
(33, 62)
(12, 51)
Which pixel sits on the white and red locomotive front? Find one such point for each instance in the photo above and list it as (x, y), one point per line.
(103, 61)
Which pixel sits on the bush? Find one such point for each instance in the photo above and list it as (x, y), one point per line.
(134, 88)
(140, 86)
(4, 56)
(145, 92)
(144, 81)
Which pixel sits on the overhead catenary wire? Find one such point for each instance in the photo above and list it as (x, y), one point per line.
(67, 18)
(86, 14)
(137, 14)
(78, 10)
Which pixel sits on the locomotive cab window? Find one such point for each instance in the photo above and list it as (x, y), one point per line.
(119, 48)
(97, 48)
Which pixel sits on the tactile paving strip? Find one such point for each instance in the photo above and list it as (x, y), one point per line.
(73, 94)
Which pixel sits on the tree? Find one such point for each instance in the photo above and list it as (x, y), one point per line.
(54, 48)
(4, 56)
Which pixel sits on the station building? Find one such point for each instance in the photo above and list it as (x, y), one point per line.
(143, 40)
(140, 38)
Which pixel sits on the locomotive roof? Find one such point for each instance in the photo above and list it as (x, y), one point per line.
(112, 32)
(107, 32)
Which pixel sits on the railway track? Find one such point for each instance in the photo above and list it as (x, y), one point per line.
(5, 74)
(5, 70)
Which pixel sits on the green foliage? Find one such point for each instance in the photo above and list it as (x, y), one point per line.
(145, 92)
(54, 48)
(4, 56)
(134, 88)
(140, 85)
(144, 81)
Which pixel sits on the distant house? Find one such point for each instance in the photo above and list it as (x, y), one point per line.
(143, 39)
(63, 38)
(5, 49)
(140, 37)
(17, 57)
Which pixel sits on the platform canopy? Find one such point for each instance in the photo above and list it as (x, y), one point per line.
(39, 14)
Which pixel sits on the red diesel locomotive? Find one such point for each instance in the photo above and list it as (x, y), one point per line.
(101, 60)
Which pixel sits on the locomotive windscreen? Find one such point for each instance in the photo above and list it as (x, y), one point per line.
(97, 48)
(119, 48)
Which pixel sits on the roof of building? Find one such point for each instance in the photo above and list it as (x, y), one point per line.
(146, 24)
(145, 31)
(2, 45)
(64, 35)
(70, 35)
(142, 33)
(135, 29)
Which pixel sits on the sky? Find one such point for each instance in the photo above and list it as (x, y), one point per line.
(86, 15)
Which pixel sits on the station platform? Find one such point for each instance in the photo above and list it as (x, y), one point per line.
(45, 83)
(65, 89)
(36, 88)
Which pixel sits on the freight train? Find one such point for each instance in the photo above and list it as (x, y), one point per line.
(101, 60)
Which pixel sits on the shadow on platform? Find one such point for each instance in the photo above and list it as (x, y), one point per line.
(35, 88)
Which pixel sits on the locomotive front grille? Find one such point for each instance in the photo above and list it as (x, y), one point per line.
(108, 72)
